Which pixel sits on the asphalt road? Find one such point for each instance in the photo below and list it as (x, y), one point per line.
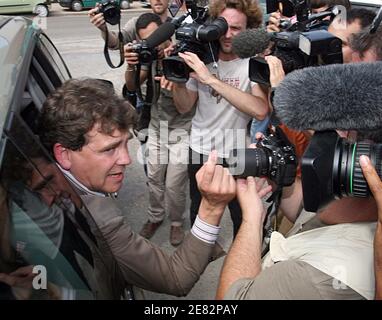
(81, 46)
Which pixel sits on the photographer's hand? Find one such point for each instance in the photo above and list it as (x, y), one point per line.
(274, 22)
(201, 72)
(131, 57)
(276, 70)
(217, 188)
(97, 19)
(249, 193)
(164, 83)
(375, 185)
(244, 257)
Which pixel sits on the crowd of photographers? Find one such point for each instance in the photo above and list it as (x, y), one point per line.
(198, 100)
(317, 259)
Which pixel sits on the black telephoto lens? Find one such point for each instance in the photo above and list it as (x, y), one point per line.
(249, 162)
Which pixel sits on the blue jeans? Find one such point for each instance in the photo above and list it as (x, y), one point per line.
(259, 126)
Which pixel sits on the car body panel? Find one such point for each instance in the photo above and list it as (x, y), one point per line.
(12, 57)
(20, 6)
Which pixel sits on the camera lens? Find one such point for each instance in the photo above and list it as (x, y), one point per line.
(249, 162)
(175, 69)
(145, 57)
(348, 179)
(112, 14)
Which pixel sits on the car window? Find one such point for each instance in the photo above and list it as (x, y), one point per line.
(54, 58)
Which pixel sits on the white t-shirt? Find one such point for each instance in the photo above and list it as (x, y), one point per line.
(219, 125)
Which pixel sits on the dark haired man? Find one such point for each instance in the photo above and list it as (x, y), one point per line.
(367, 45)
(356, 20)
(87, 128)
(167, 144)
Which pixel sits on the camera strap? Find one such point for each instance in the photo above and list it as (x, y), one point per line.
(272, 210)
(120, 44)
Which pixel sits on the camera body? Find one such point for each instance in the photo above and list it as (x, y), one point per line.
(198, 37)
(274, 157)
(111, 11)
(146, 55)
(304, 43)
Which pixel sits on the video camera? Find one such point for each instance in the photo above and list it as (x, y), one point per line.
(304, 43)
(197, 37)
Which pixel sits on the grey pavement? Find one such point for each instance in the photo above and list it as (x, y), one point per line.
(81, 46)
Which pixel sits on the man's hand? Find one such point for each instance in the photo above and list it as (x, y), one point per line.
(164, 83)
(217, 188)
(274, 22)
(276, 70)
(201, 72)
(131, 57)
(375, 185)
(249, 194)
(97, 18)
(21, 278)
(374, 182)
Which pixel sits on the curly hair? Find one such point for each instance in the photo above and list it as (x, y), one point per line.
(251, 8)
(71, 111)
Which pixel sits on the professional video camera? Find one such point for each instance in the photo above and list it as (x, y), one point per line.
(111, 11)
(304, 43)
(197, 37)
(331, 170)
(274, 157)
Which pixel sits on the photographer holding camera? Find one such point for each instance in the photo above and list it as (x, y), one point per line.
(223, 94)
(167, 145)
(129, 33)
(328, 255)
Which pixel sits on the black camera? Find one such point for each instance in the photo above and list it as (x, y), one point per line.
(304, 43)
(146, 55)
(197, 37)
(331, 170)
(111, 11)
(274, 157)
(298, 50)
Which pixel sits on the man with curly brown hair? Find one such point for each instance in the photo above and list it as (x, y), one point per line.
(225, 97)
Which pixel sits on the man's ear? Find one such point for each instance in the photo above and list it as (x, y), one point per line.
(62, 156)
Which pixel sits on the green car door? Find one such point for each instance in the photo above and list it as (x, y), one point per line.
(24, 6)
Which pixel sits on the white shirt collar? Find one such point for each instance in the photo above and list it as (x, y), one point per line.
(78, 184)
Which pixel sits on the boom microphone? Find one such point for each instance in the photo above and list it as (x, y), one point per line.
(334, 96)
(160, 35)
(250, 42)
